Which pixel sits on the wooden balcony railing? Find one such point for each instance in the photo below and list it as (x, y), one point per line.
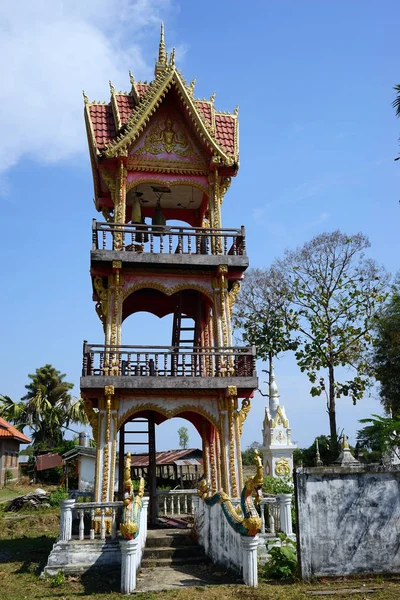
(168, 240)
(160, 361)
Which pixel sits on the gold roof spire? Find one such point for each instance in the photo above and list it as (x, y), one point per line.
(161, 63)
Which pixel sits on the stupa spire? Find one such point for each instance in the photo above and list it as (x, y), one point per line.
(273, 389)
(162, 61)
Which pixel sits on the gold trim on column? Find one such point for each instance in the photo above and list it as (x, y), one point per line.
(232, 399)
(113, 456)
(212, 459)
(98, 454)
(206, 451)
(108, 393)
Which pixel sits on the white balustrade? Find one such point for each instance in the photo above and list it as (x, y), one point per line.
(173, 503)
(132, 552)
(100, 521)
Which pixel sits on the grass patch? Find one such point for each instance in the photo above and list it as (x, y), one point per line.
(25, 544)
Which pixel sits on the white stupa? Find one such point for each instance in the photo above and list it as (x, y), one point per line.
(277, 448)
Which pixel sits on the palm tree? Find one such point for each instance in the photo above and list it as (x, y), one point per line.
(47, 408)
(396, 101)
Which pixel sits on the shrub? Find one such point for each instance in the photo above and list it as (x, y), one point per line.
(8, 476)
(283, 561)
(277, 485)
(58, 580)
(55, 497)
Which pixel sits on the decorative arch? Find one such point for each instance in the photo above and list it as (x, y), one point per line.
(167, 413)
(174, 182)
(168, 290)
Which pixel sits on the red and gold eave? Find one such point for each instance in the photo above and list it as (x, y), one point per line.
(114, 128)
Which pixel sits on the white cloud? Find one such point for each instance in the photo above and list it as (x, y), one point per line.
(52, 49)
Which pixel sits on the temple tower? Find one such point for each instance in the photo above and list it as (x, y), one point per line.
(277, 449)
(160, 156)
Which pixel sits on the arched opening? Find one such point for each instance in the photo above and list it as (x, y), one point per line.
(148, 434)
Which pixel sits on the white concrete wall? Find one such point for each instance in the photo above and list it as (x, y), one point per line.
(348, 520)
(87, 466)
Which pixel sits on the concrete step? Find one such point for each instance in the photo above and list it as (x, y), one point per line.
(151, 563)
(169, 537)
(173, 551)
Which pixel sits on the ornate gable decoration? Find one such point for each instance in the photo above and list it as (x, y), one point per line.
(115, 127)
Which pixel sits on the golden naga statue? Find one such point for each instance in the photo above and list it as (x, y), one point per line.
(244, 518)
(130, 523)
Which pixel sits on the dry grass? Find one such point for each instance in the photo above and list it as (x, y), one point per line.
(26, 542)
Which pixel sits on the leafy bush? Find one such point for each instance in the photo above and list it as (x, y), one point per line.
(59, 494)
(283, 561)
(8, 476)
(277, 485)
(58, 580)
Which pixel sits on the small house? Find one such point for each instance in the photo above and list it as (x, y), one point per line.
(10, 440)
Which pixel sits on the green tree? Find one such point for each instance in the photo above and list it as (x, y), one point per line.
(248, 454)
(381, 435)
(386, 353)
(324, 296)
(47, 408)
(183, 437)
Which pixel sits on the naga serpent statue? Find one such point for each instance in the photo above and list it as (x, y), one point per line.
(244, 519)
(132, 505)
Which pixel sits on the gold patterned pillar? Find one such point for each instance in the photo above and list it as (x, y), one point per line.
(120, 202)
(114, 321)
(224, 444)
(106, 446)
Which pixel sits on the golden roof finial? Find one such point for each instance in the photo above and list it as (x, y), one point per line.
(236, 111)
(172, 58)
(112, 88)
(131, 78)
(345, 443)
(191, 85)
(212, 97)
(162, 55)
(85, 98)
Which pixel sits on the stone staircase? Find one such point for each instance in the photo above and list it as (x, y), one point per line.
(173, 559)
(171, 547)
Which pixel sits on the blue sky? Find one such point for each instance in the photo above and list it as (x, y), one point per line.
(314, 81)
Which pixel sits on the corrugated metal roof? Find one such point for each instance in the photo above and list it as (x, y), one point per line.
(169, 457)
(48, 461)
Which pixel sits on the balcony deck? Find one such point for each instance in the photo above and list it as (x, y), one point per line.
(159, 367)
(151, 246)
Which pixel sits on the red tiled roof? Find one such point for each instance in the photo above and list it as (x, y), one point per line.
(225, 130)
(141, 89)
(103, 124)
(102, 119)
(7, 430)
(125, 105)
(205, 109)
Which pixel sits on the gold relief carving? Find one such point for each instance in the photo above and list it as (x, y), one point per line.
(102, 305)
(169, 414)
(117, 264)
(106, 451)
(279, 419)
(206, 452)
(212, 462)
(113, 455)
(218, 457)
(225, 184)
(120, 203)
(232, 390)
(239, 451)
(100, 418)
(282, 467)
(203, 489)
(167, 290)
(109, 390)
(109, 180)
(232, 461)
(157, 165)
(243, 412)
(223, 452)
(233, 295)
(164, 138)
